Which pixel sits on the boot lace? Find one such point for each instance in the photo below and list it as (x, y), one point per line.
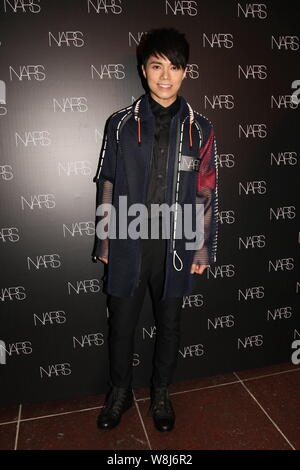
(116, 400)
(161, 403)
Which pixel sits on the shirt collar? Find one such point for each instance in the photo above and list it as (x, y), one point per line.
(159, 110)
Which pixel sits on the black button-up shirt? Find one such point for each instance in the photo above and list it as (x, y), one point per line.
(158, 171)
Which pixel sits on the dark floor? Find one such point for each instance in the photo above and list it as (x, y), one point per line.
(252, 409)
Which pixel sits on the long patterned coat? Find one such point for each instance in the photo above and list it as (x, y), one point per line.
(192, 178)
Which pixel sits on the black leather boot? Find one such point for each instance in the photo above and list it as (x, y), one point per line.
(119, 400)
(161, 409)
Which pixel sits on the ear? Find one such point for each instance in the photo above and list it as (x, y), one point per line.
(185, 71)
(144, 71)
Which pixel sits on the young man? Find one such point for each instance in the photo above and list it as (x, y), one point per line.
(156, 152)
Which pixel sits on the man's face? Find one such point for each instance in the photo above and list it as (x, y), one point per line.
(163, 78)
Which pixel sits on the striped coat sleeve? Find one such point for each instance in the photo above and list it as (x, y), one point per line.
(104, 180)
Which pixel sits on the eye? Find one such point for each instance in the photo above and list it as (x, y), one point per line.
(155, 67)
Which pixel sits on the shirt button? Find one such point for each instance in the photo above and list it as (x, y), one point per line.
(159, 176)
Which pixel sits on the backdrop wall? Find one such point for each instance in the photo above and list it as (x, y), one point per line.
(66, 65)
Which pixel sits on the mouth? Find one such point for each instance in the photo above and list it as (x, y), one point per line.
(163, 85)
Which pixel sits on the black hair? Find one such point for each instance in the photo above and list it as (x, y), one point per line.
(166, 42)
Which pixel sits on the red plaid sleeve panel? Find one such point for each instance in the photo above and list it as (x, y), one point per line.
(206, 194)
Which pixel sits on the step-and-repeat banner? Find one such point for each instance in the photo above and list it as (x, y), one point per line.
(66, 65)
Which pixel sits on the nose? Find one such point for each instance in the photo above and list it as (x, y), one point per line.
(165, 73)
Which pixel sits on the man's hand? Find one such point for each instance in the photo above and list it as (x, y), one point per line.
(105, 260)
(198, 268)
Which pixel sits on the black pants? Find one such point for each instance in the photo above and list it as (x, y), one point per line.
(124, 314)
